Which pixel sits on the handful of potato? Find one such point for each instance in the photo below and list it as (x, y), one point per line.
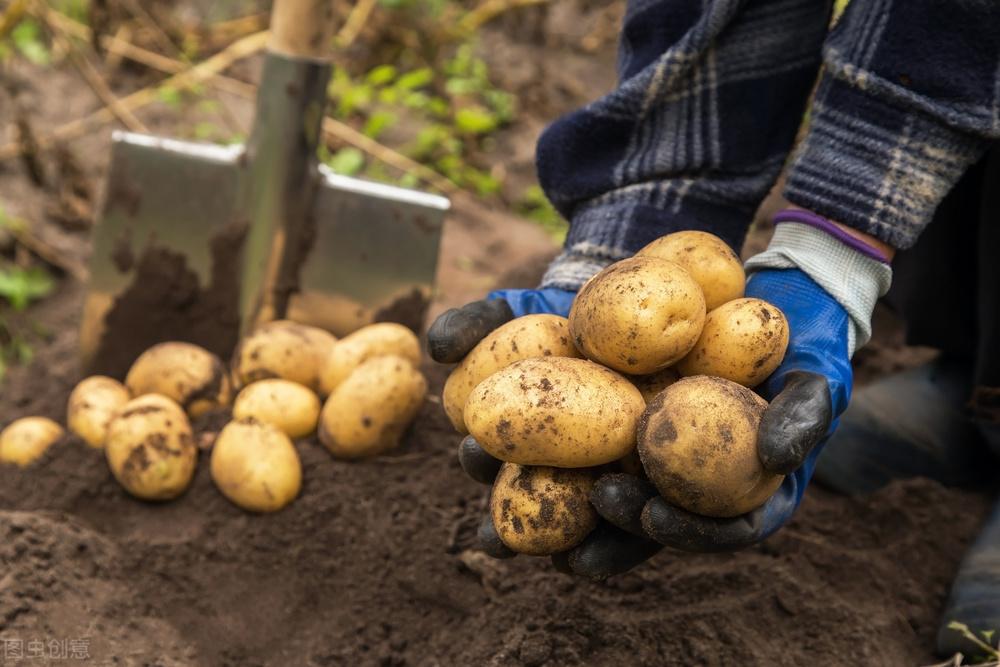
(278, 374)
(657, 359)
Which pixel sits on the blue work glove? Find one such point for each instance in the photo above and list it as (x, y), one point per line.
(807, 393)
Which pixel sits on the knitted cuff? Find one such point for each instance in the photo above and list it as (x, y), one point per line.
(853, 278)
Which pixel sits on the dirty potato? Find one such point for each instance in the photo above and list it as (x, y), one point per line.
(521, 338)
(256, 466)
(709, 260)
(555, 411)
(190, 375)
(26, 439)
(92, 404)
(638, 316)
(283, 349)
(539, 510)
(150, 448)
(743, 341)
(368, 412)
(374, 340)
(286, 405)
(651, 385)
(698, 444)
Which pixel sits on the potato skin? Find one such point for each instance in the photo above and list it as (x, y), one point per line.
(186, 373)
(24, 440)
(282, 349)
(374, 340)
(256, 466)
(709, 260)
(743, 341)
(92, 404)
(698, 444)
(286, 405)
(540, 510)
(555, 411)
(638, 316)
(521, 338)
(651, 385)
(369, 411)
(150, 448)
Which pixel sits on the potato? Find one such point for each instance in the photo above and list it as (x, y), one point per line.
(286, 405)
(555, 411)
(369, 411)
(638, 316)
(698, 444)
(190, 375)
(92, 404)
(26, 439)
(150, 448)
(282, 349)
(256, 466)
(521, 338)
(712, 263)
(375, 340)
(651, 385)
(743, 341)
(540, 510)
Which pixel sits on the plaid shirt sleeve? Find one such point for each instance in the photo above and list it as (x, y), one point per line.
(711, 94)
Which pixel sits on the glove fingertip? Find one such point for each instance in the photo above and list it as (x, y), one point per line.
(489, 539)
(477, 463)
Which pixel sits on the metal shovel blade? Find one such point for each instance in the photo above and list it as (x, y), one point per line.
(167, 252)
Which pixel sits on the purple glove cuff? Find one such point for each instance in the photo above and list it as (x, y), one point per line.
(809, 218)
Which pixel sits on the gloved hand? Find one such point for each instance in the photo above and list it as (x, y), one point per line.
(807, 393)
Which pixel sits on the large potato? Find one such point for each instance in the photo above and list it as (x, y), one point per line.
(712, 263)
(283, 349)
(743, 341)
(256, 466)
(521, 338)
(286, 405)
(698, 444)
(92, 404)
(539, 510)
(555, 411)
(26, 439)
(186, 373)
(369, 411)
(375, 340)
(150, 448)
(651, 385)
(638, 316)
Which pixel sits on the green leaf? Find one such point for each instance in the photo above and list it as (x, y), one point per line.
(377, 123)
(170, 96)
(205, 131)
(381, 75)
(475, 120)
(418, 78)
(22, 286)
(347, 161)
(26, 36)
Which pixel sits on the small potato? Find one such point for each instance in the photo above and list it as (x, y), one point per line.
(712, 263)
(92, 404)
(743, 341)
(540, 510)
(256, 466)
(283, 349)
(368, 412)
(638, 316)
(286, 405)
(554, 411)
(521, 338)
(651, 385)
(150, 448)
(374, 340)
(186, 373)
(698, 444)
(26, 439)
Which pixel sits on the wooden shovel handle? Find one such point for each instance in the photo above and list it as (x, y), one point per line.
(302, 28)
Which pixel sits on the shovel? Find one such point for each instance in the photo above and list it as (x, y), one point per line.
(202, 242)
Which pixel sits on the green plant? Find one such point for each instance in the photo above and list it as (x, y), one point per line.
(991, 652)
(535, 206)
(26, 39)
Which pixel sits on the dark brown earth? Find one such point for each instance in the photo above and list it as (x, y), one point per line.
(374, 565)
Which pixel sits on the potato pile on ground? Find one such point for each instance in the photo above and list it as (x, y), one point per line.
(651, 374)
(273, 388)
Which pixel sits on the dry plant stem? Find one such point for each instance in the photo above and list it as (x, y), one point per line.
(489, 10)
(356, 21)
(12, 16)
(144, 17)
(23, 235)
(199, 73)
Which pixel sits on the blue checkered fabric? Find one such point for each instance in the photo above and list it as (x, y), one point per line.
(710, 97)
